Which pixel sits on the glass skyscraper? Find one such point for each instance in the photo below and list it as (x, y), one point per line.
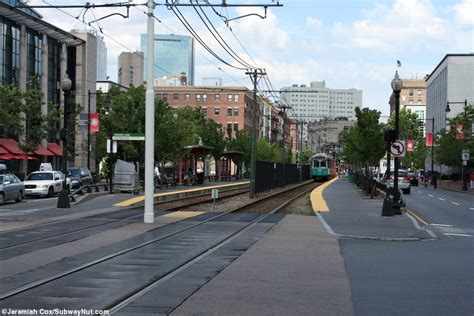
(173, 55)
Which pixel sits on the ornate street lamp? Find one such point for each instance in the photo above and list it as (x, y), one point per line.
(63, 198)
(397, 85)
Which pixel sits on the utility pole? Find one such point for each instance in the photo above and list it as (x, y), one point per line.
(283, 134)
(255, 77)
(301, 151)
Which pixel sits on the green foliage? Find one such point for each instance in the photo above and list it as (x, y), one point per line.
(364, 144)
(10, 109)
(241, 142)
(448, 149)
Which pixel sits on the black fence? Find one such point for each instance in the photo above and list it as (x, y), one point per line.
(272, 175)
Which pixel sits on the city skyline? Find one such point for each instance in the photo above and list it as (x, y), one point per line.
(357, 47)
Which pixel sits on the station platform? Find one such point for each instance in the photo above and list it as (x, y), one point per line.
(172, 193)
(297, 267)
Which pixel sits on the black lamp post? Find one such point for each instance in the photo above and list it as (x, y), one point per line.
(63, 198)
(397, 85)
(464, 173)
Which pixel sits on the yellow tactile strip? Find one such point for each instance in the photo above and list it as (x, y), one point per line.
(142, 198)
(317, 200)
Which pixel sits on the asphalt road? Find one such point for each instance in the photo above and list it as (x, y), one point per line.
(418, 277)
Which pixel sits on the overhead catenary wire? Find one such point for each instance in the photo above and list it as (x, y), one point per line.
(108, 36)
(191, 30)
(220, 39)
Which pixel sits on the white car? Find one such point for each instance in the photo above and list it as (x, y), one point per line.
(44, 183)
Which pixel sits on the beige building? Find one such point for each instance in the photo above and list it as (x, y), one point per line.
(325, 136)
(130, 69)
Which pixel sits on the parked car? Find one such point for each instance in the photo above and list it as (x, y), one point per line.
(403, 180)
(79, 177)
(44, 183)
(413, 179)
(11, 188)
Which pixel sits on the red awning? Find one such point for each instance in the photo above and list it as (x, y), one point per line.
(55, 149)
(24, 156)
(7, 156)
(3, 151)
(41, 151)
(11, 145)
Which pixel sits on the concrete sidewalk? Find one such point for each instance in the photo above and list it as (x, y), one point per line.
(354, 214)
(295, 269)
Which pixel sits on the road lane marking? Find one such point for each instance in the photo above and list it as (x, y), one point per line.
(471, 208)
(455, 203)
(441, 199)
(420, 191)
(430, 195)
(460, 235)
(421, 220)
(441, 225)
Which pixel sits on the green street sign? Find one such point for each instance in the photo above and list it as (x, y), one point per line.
(128, 136)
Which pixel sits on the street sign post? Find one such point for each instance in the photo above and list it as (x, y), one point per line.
(128, 136)
(465, 155)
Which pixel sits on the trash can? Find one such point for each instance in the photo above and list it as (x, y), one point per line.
(351, 177)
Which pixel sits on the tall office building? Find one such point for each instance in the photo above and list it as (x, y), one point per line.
(101, 59)
(130, 69)
(316, 102)
(173, 55)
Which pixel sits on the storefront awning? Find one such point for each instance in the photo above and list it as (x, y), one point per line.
(55, 149)
(41, 151)
(3, 151)
(11, 145)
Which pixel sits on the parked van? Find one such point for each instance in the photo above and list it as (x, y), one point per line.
(3, 168)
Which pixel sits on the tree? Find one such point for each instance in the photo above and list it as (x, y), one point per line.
(410, 130)
(449, 148)
(364, 144)
(10, 109)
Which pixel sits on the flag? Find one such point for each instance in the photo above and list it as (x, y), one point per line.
(399, 64)
(429, 139)
(410, 145)
(459, 131)
(94, 122)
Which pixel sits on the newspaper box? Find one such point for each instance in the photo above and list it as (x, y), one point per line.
(126, 177)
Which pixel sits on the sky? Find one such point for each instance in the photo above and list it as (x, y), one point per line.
(347, 43)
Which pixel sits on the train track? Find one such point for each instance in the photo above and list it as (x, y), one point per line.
(165, 254)
(22, 241)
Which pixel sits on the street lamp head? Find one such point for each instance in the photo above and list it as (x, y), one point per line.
(66, 83)
(397, 83)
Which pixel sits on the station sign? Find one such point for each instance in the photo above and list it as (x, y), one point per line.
(128, 136)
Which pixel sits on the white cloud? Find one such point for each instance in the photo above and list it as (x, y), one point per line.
(406, 25)
(311, 21)
(465, 12)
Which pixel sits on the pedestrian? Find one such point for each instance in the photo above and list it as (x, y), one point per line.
(434, 181)
(156, 177)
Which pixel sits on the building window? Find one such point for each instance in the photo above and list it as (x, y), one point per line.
(165, 97)
(236, 97)
(410, 92)
(229, 111)
(198, 98)
(204, 111)
(217, 97)
(204, 98)
(418, 92)
(229, 128)
(229, 98)
(236, 127)
(175, 97)
(217, 111)
(236, 111)
(158, 96)
(187, 97)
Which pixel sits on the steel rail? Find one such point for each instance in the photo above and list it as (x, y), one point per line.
(81, 267)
